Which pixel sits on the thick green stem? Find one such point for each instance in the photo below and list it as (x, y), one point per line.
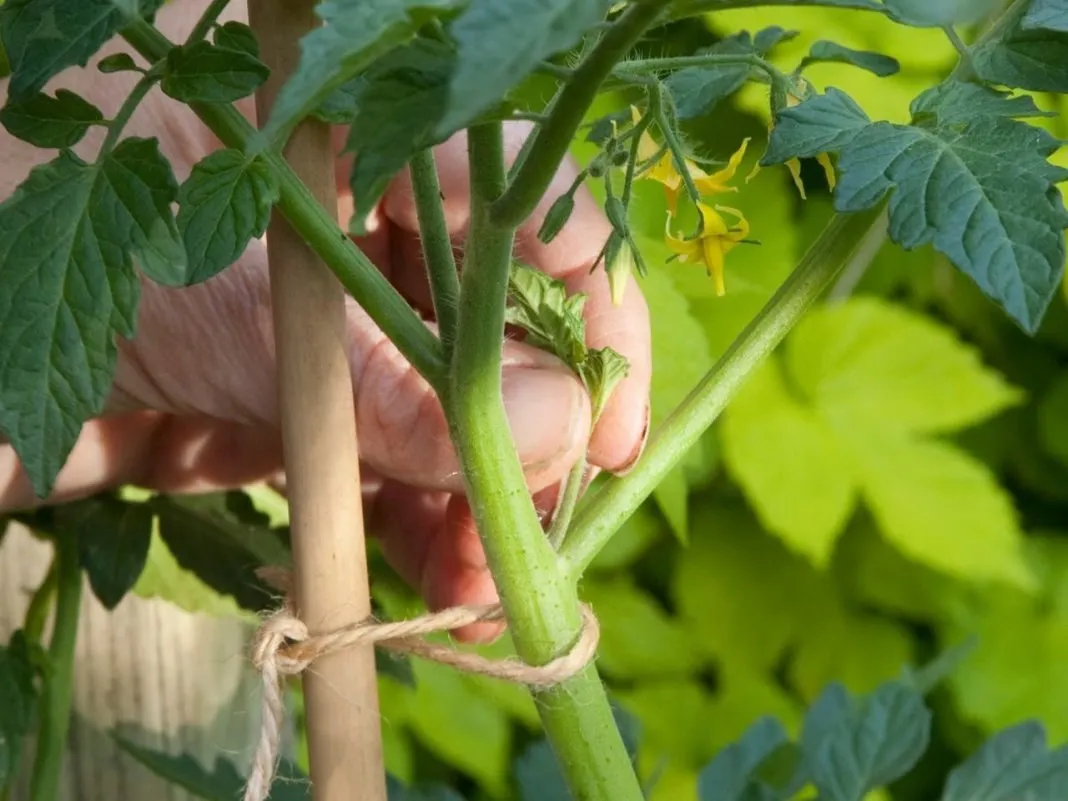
(59, 680)
(602, 516)
(319, 228)
(207, 20)
(540, 603)
(437, 245)
(554, 137)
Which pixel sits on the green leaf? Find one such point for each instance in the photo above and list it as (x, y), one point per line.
(498, 45)
(539, 776)
(207, 73)
(237, 36)
(224, 204)
(729, 776)
(999, 221)
(1012, 764)
(697, 90)
(222, 782)
(68, 238)
(824, 51)
(860, 746)
(550, 316)
(638, 639)
(397, 105)
(19, 699)
(355, 33)
(223, 540)
(44, 37)
(601, 372)
(938, 13)
(953, 102)
(49, 122)
(117, 62)
(113, 539)
(1025, 57)
(1049, 14)
(165, 579)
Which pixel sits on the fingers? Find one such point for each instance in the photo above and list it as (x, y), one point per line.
(620, 433)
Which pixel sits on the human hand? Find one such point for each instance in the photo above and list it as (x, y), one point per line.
(193, 406)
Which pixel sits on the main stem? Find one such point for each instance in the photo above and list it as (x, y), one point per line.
(59, 681)
(599, 519)
(318, 412)
(540, 603)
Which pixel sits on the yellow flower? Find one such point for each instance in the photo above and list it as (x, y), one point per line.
(714, 243)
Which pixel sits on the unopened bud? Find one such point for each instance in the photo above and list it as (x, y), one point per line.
(619, 264)
(556, 218)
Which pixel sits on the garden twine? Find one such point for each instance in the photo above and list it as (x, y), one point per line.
(284, 647)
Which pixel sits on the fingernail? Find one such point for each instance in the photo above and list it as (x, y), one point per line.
(640, 449)
(546, 413)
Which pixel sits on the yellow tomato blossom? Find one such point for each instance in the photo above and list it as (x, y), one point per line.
(714, 243)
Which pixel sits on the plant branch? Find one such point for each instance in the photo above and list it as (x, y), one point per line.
(207, 21)
(599, 519)
(126, 111)
(58, 682)
(696, 7)
(319, 228)
(540, 603)
(437, 245)
(565, 508)
(646, 66)
(33, 624)
(552, 139)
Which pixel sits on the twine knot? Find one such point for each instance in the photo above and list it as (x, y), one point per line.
(283, 646)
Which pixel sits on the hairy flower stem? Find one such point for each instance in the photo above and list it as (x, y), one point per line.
(58, 686)
(540, 602)
(603, 514)
(318, 227)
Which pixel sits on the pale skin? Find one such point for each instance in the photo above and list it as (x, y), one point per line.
(193, 407)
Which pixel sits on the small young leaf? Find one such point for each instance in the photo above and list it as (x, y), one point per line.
(1035, 59)
(44, 37)
(237, 36)
(223, 540)
(601, 372)
(354, 34)
(49, 122)
(222, 783)
(224, 204)
(875, 741)
(824, 51)
(552, 319)
(498, 45)
(729, 776)
(117, 62)
(207, 73)
(113, 539)
(18, 700)
(938, 13)
(68, 238)
(1013, 764)
(1051, 15)
(399, 102)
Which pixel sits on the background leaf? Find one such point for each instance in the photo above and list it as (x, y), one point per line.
(113, 539)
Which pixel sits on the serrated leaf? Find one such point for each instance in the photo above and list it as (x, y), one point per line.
(550, 316)
(498, 45)
(397, 105)
(956, 102)
(355, 33)
(223, 540)
(18, 700)
(44, 37)
(222, 783)
(1049, 14)
(1013, 764)
(165, 579)
(1001, 221)
(113, 539)
(824, 51)
(238, 36)
(729, 776)
(206, 73)
(224, 204)
(49, 122)
(877, 740)
(601, 372)
(69, 237)
(1034, 58)
(938, 13)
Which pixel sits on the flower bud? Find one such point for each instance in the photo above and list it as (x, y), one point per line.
(556, 218)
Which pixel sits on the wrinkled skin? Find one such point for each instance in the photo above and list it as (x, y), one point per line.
(193, 407)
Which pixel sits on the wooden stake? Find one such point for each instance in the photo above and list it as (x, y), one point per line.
(319, 438)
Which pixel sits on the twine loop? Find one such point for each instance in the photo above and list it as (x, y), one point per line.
(283, 646)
